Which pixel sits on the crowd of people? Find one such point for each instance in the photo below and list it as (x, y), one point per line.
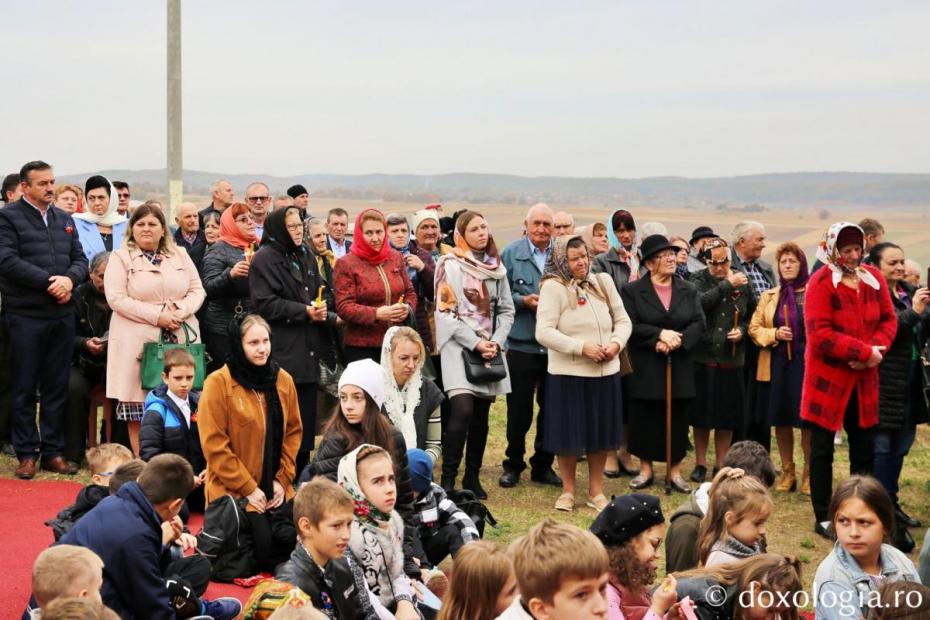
(222, 347)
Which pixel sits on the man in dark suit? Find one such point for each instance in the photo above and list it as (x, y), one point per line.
(189, 235)
(222, 194)
(41, 261)
(748, 240)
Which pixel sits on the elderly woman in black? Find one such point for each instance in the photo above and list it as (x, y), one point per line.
(667, 324)
(287, 291)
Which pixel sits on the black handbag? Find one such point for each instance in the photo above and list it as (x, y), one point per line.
(479, 370)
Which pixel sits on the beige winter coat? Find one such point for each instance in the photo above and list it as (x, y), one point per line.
(137, 292)
(564, 330)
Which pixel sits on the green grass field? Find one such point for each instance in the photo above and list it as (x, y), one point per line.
(789, 529)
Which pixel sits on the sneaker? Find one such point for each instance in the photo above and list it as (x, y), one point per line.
(224, 608)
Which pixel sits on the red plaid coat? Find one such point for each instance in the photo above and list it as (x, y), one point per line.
(842, 326)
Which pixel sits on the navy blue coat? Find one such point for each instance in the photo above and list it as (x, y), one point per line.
(125, 531)
(30, 253)
(165, 431)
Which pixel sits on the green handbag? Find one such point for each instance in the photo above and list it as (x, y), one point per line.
(153, 359)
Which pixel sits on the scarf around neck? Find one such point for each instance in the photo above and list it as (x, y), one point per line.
(262, 379)
(361, 247)
(788, 299)
(733, 547)
(110, 217)
(400, 402)
(828, 254)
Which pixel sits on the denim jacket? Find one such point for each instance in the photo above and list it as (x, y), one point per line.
(842, 588)
(524, 276)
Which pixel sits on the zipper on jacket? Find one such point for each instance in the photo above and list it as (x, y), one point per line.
(387, 286)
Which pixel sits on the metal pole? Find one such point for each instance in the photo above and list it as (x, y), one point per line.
(175, 145)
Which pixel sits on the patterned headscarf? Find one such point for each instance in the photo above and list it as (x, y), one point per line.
(347, 477)
(828, 254)
(557, 269)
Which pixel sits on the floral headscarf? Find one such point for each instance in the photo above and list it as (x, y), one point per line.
(557, 269)
(347, 477)
(828, 254)
(400, 402)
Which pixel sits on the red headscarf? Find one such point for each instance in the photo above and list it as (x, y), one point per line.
(229, 230)
(363, 249)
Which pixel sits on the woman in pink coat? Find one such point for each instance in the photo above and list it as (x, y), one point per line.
(152, 286)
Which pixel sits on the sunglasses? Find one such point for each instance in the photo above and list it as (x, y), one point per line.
(257, 198)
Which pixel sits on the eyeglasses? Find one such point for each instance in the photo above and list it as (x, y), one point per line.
(257, 198)
(293, 227)
(722, 261)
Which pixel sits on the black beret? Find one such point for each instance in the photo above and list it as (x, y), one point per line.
(626, 517)
(96, 182)
(296, 190)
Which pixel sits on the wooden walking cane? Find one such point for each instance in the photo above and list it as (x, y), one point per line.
(668, 424)
(784, 311)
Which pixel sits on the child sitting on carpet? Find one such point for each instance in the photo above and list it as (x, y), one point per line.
(738, 509)
(561, 574)
(125, 530)
(482, 586)
(127, 472)
(442, 527)
(367, 473)
(102, 461)
(64, 571)
(169, 425)
(319, 565)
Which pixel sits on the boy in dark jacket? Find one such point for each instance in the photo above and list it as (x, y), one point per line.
(681, 538)
(126, 531)
(323, 514)
(169, 425)
(103, 461)
(442, 526)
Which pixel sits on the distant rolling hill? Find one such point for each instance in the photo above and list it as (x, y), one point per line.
(793, 189)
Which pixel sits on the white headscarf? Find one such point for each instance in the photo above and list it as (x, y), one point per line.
(827, 253)
(110, 217)
(401, 402)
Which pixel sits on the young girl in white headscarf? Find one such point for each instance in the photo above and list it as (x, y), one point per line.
(410, 399)
(376, 541)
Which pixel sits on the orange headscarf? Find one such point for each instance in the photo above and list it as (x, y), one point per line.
(229, 230)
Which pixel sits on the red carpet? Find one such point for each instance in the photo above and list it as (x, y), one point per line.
(25, 506)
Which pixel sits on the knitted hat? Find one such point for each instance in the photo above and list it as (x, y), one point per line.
(421, 470)
(421, 216)
(626, 517)
(296, 190)
(367, 375)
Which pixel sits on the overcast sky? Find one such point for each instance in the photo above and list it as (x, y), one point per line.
(625, 89)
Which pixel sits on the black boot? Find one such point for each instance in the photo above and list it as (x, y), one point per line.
(453, 444)
(474, 454)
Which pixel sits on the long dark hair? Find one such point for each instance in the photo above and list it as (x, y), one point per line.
(375, 429)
